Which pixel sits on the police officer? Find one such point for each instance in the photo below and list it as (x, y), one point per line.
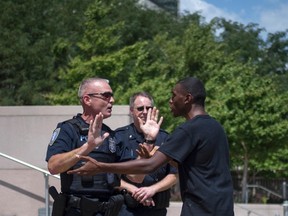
(89, 195)
(151, 193)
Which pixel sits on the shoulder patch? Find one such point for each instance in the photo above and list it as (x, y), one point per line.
(54, 136)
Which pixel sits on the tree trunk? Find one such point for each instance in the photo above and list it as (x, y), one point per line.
(245, 175)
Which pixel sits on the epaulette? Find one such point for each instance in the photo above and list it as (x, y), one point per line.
(163, 131)
(122, 128)
(77, 125)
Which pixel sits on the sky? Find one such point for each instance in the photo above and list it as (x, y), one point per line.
(269, 14)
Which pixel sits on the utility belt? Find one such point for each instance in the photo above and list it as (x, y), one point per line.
(87, 206)
(161, 200)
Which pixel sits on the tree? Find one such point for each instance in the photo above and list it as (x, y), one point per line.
(254, 113)
(29, 31)
(245, 42)
(140, 50)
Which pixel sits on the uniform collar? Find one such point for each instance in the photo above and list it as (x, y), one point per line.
(134, 134)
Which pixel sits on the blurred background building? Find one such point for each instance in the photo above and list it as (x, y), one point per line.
(171, 6)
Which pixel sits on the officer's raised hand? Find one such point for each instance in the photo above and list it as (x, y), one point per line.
(95, 139)
(59, 163)
(151, 127)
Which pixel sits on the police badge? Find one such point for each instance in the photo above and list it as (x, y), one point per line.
(54, 136)
(112, 144)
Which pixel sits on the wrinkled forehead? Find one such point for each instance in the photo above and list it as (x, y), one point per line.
(141, 100)
(99, 86)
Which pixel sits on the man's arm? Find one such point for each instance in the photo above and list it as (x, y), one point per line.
(129, 187)
(145, 151)
(62, 162)
(141, 166)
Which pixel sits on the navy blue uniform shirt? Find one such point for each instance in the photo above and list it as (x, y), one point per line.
(67, 137)
(129, 139)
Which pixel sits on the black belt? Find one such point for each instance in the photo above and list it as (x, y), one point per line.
(75, 202)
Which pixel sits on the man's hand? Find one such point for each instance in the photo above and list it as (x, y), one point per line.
(144, 195)
(146, 150)
(91, 167)
(95, 139)
(151, 128)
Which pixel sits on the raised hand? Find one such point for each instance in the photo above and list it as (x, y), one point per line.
(151, 127)
(146, 150)
(95, 139)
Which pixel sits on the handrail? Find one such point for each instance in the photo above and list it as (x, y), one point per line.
(249, 211)
(28, 165)
(265, 189)
(46, 176)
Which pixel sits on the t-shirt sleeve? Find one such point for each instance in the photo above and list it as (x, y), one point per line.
(178, 145)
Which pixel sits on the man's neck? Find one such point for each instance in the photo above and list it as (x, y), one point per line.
(196, 111)
(137, 126)
(87, 118)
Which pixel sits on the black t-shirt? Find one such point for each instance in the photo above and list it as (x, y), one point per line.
(201, 149)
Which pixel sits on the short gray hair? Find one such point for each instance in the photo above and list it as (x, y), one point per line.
(143, 94)
(85, 83)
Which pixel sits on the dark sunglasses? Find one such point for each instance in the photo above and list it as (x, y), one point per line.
(106, 95)
(140, 109)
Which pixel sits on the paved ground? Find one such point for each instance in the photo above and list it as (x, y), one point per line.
(239, 209)
(174, 209)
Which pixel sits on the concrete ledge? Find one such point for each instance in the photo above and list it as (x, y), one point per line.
(239, 209)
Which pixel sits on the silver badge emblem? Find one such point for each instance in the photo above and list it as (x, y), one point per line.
(112, 144)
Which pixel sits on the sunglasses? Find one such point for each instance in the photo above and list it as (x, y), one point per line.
(106, 95)
(141, 108)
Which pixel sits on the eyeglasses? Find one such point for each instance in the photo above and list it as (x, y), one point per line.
(141, 108)
(106, 95)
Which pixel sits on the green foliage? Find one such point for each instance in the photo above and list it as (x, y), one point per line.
(29, 31)
(48, 48)
(246, 41)
(251, 110)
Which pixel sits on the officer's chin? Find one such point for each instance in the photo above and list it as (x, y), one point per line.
(107, 115)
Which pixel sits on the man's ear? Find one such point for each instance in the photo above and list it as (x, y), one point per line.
(188, 98)
(86, 99)
(131, 110)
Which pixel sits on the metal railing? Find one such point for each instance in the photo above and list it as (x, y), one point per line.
(249, 211)
(284, 196)
(46, 177)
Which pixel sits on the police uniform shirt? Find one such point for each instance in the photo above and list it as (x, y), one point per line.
(201, 149)
(129, 139)
(67, 137)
